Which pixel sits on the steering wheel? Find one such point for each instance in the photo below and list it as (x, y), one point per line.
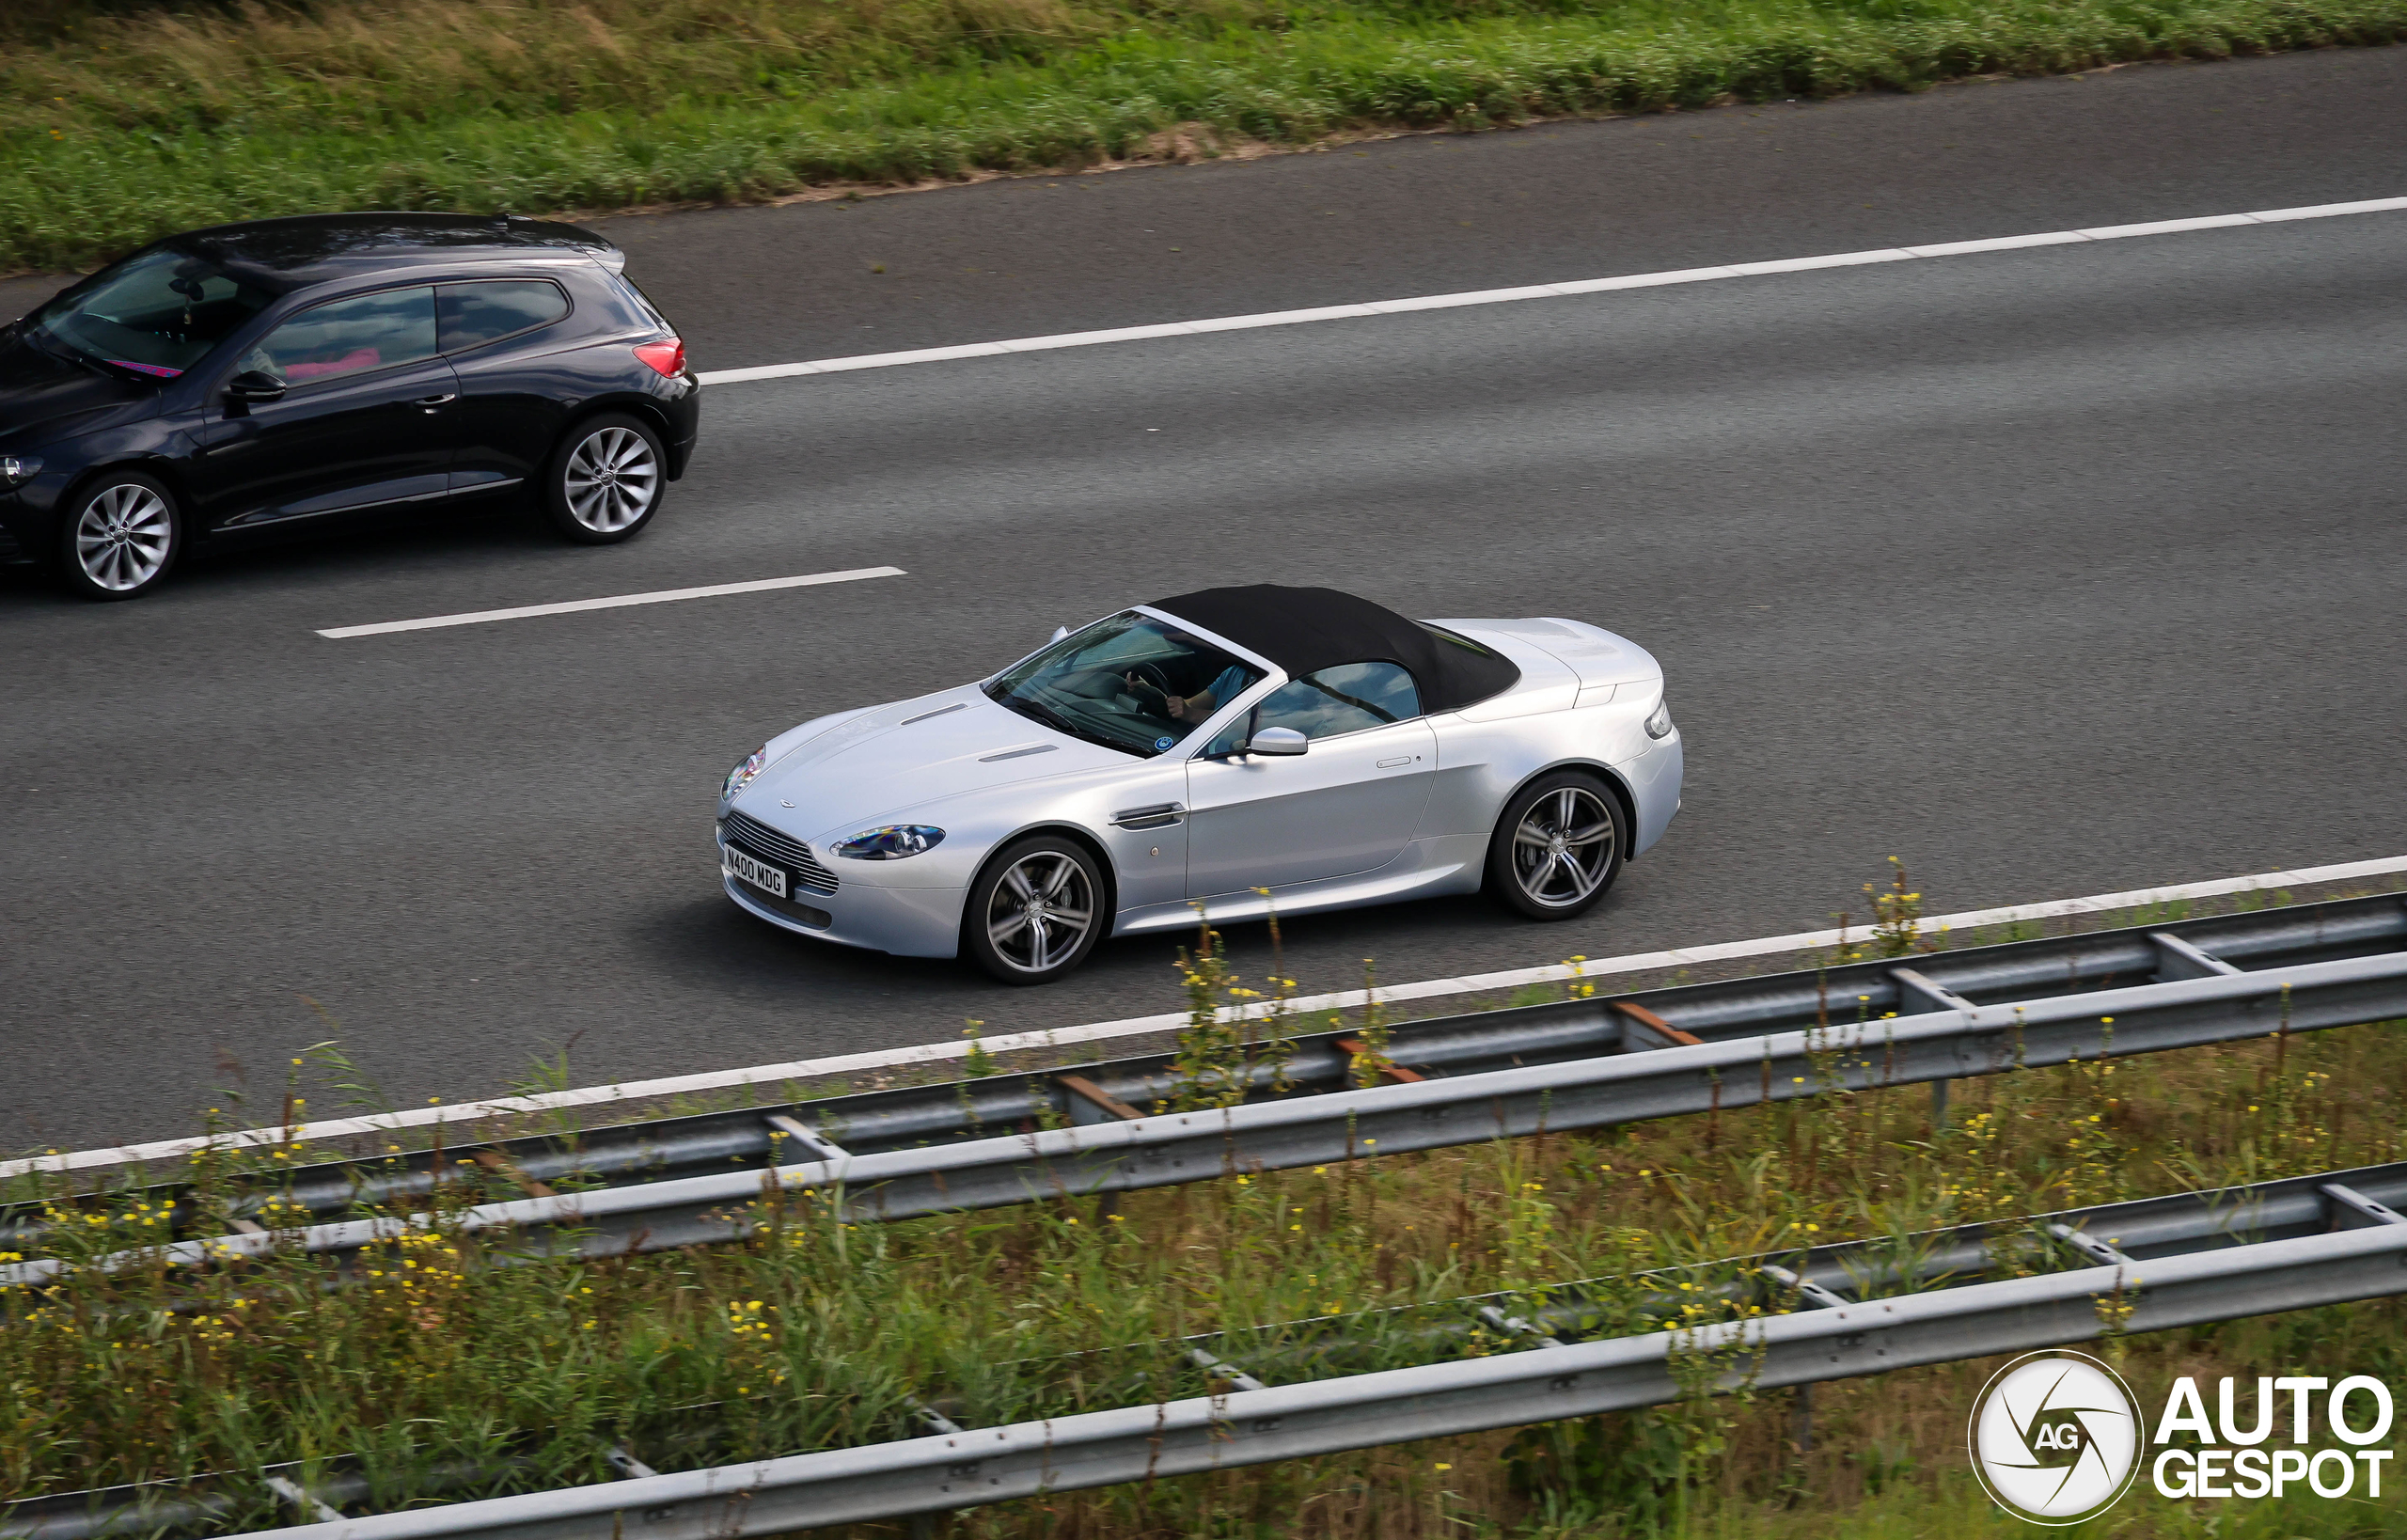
(1152, 674)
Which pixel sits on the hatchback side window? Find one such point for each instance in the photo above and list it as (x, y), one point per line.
(1347, 698)
(348, 336)
(473, 314)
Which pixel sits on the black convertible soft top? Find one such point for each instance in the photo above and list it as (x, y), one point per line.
(1306, 630)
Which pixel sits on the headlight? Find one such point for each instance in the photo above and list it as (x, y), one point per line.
(742, 775)
(891, 843)
(1658, 724)
(16, 470)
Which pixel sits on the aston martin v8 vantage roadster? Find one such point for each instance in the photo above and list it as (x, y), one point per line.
(1231, 751)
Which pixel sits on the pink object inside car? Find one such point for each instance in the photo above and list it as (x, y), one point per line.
(350, 363)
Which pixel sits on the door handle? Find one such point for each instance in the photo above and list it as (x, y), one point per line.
(431, 402)
(1390, 765)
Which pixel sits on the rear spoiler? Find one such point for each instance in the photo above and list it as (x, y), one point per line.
(547, 233)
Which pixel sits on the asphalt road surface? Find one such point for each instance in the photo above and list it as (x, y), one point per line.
(2055, 571)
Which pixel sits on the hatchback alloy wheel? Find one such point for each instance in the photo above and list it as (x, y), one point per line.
(122, 540)
(611, 479)
(608, 480)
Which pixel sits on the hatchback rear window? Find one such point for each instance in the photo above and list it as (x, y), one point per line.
(643, 301)
(473, 314)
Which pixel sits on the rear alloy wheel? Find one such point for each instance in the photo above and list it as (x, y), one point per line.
(1035, 911)
(1557, 848)
(607, 480)
(120, 535)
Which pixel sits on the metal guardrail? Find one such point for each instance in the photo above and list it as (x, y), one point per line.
(1853, 1308)
(1578, 1064)
(916, 1117)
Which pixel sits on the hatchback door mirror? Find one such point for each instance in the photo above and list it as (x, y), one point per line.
(254, 385)
(1280, 741)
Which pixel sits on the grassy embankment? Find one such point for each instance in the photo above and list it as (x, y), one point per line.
(122, 119)
(817, 1333)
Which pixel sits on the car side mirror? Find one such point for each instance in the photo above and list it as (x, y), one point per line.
(1280, 742)
(254, 386)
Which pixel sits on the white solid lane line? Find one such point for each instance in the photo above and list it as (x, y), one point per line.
(433, 622)
(855, 1064)
(1544, 291)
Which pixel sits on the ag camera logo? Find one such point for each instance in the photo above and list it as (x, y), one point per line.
(2056, 1438)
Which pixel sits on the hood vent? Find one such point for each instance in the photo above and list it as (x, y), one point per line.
(1018, 753)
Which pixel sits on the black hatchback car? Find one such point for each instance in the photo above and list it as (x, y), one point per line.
(295, 372)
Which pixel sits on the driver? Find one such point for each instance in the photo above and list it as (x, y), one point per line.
(1194, 708)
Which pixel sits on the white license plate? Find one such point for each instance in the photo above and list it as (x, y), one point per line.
(743, 868)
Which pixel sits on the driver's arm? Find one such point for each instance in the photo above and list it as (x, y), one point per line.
(1209, 700)
(1179, 708)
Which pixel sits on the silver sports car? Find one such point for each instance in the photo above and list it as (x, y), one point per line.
(1234, 751)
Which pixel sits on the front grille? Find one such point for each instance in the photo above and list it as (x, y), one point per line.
(10, 551)
(818, 919)
(758, 839)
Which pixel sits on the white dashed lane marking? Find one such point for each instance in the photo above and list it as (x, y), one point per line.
(716, 590)
(1546, 290)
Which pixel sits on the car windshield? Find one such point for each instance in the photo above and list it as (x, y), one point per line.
(1131, 682)
(157, 313)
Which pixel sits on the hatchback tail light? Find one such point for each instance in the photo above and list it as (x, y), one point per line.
(667, 358)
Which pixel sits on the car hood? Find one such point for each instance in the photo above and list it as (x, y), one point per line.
(45, 396)
(886, 763)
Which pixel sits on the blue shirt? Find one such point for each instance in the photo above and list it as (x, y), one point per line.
(1231, 684)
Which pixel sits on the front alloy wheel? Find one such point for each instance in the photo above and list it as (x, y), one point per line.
(1035, 912)
(121, 537)
(1558, 847)
(608, 480)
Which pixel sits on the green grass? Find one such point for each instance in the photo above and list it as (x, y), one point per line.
(115, 129)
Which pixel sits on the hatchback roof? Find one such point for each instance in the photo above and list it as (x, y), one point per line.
(287, 254)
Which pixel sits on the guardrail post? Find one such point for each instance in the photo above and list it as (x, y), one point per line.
(309, 1504)
(810, 1139)
(618, 1457)
(1228, 1374)
(1919, 995)
(2179, 959)
(1814, 1296)
(2355, 1205)
(923, 1526)
(1649, 1031)
(2097, 1250)
(1513, 1325)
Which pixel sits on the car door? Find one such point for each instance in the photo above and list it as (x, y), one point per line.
(1146, 836)
(365, 419)
(1349, 804)
(503, 337)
